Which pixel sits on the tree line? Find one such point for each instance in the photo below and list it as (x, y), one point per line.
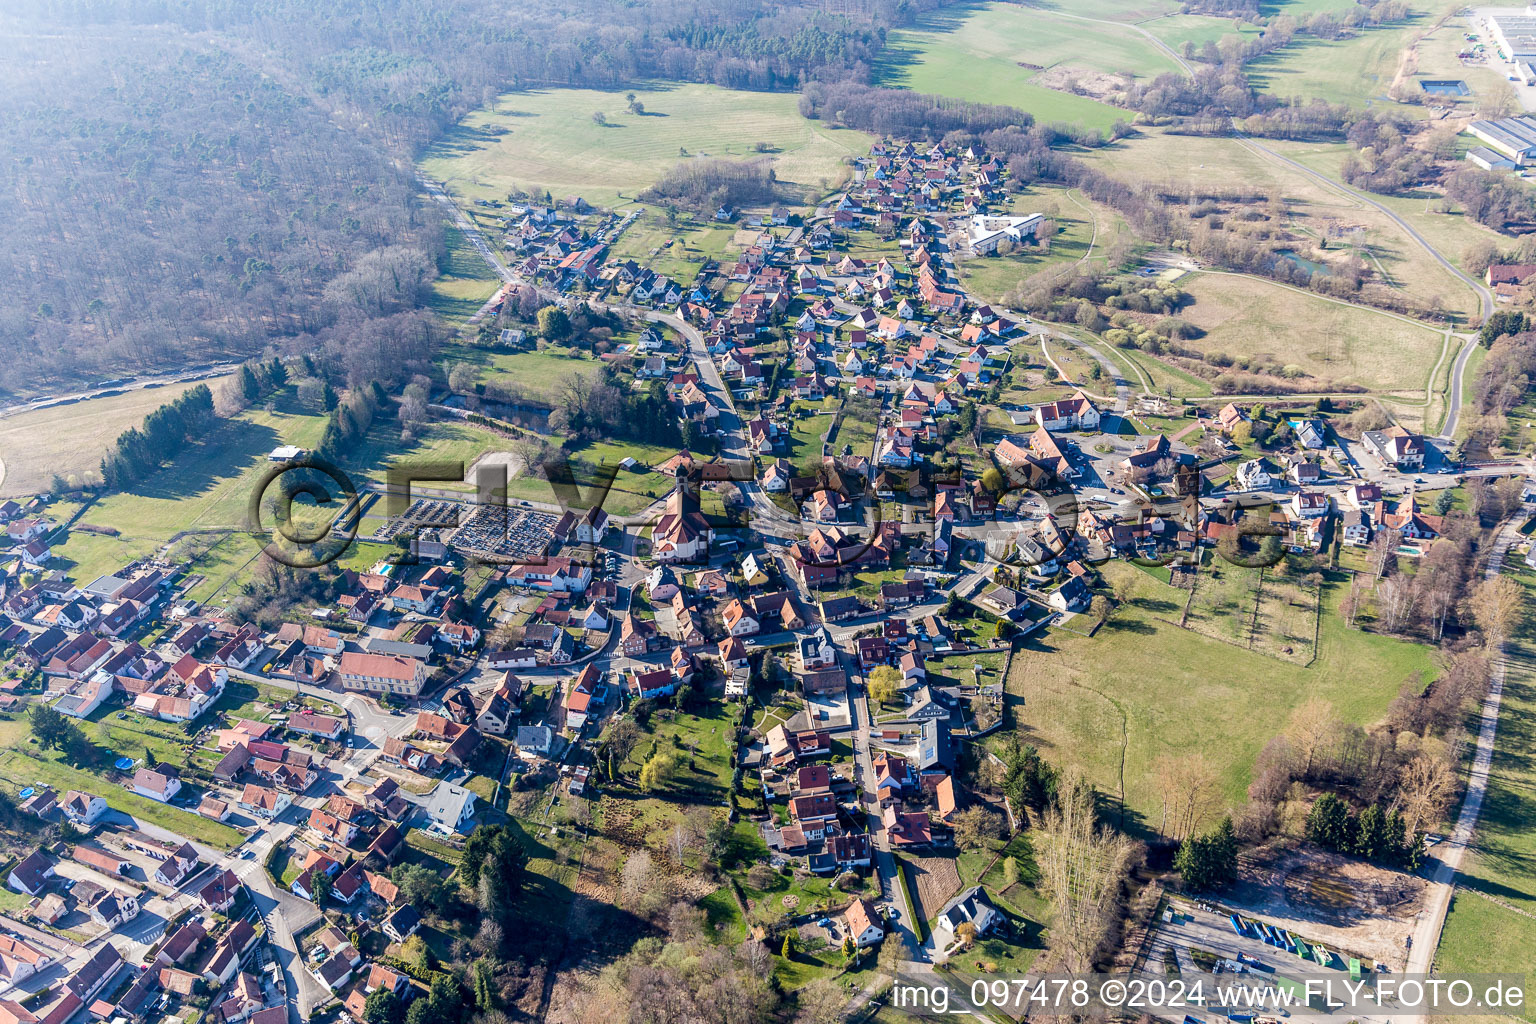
(165, 433)
(705, 185)
(898, 113)
(1503, 382)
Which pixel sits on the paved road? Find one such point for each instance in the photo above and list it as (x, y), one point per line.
(1453, 400)
(734, 444)
(1484, 296)
(1448, 855)
(468, 227)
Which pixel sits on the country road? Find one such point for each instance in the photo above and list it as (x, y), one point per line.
(1448, 854)
(1484, 296)
(467, 227)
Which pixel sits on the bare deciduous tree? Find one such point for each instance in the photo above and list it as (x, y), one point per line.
(1394, 602)
(1424, 790)
(1081, 868)
(1311, 727)
(1187, 785)
(1497, 606)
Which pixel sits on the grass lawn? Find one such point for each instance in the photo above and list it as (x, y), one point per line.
(535, 374)
(694, 242)
(702, 744)
(631, 489)
(447, 441)
(1356, 70)
(69, 440)
(1162, 378)
(1142, 687)
(1482, 937)
(132, 734)
(955, 670)
(992, 277)
(805, 438)
(464, 281)
(975, 54)
(23, 768)
(1247, 316)
(1480, 934)
(867, 584)
(246, 699)
(855, 431)
(85, 556)
(228, 562)
(776, 714)
(1224, 609)
(549, 140)
(724, 915)
(795, 893)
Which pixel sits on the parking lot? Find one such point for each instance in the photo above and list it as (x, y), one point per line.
(1243, 959)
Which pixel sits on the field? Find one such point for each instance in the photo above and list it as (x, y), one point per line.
(1452, 233)
(464, 282)
(534, 374)
(1482, 932)
(1197, 29)
(209, 488)
(1114, 10)
(70, 440)
(1247, 316)
(1142, 688)
(693, 242)
(85, 556)
(210, 485)
(1030, 35)
(1356, 70)
(549, 140)
(1313, 212)
(975, 54)
(1223, 609)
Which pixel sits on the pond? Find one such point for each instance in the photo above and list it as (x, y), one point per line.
(1445, 87)
(1310, 266)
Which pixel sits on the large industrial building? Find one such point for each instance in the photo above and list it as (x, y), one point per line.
(1512, 137)
(1514, 31)
(1514, 34)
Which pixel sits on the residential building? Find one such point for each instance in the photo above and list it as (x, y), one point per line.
(450, 807)
(381, 673)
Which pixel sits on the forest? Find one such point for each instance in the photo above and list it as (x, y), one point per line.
(194, 179)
